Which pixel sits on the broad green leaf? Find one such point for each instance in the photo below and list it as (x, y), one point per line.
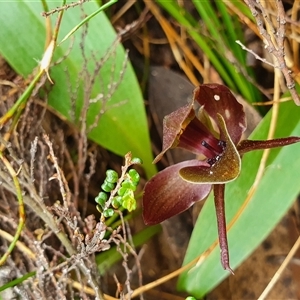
(276, 192)
(123, 125)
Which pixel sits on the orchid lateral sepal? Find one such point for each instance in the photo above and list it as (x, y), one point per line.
(168, 195)
(251, 145)
(219, 191)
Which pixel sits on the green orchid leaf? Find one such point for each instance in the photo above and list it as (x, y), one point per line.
(277, 190)
(115, 97)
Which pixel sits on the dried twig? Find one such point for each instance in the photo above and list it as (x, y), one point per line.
(254, 54)
(274, 44)
(64, 7)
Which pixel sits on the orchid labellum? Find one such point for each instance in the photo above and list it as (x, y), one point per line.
(212, 131)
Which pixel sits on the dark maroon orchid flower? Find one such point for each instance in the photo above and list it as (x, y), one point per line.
(213, 132)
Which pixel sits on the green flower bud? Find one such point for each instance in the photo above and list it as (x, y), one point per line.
(117, 201)
(134, 175)
(101, 198)
(108, 213)
(111, 176)
(136, 160)
(99, 208)
(107, 186)
(122, 191)
(128, 185)
(129, 202)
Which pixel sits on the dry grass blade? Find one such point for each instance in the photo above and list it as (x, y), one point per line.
(22, 215)
(178, 45)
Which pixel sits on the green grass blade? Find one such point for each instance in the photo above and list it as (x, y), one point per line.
(16, 281)
(89, 17)
(242, 7)
(231, 32)
(209, 17)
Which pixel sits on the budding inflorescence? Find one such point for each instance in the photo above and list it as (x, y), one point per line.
(118, 192)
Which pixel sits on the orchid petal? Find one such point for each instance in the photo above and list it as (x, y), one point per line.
(226, 168)
(218, 99)
(173, 125)
(167, 195)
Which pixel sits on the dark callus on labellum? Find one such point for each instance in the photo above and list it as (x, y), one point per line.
(213, 131)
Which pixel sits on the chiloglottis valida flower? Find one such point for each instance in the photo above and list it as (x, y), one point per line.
(213, 132)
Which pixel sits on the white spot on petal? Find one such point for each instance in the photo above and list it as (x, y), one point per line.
(227, 113)
(217, 97)
(241, 125)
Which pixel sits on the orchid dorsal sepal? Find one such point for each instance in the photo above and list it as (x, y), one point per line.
(226, 168)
